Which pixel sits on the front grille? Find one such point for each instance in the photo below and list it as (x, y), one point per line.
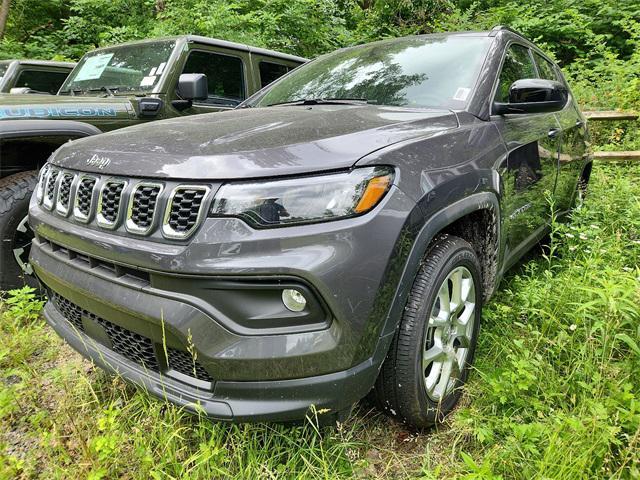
(84, 197)
(184, 209)
(110, 198)
(70, 311)
(50, 188)
(64, 193)
(184, 363)
(131, 345)
(169, 209)
(143, 207)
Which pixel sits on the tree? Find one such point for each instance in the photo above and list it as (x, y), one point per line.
(4, 13)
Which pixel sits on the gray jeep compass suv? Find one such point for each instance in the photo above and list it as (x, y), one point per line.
(337, 232)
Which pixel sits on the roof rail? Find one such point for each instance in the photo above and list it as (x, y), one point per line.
(503, 28)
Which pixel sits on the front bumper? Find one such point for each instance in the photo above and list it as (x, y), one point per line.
(280, 401)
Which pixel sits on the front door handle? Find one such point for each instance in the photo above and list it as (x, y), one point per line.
(579, 123)
(553, 132)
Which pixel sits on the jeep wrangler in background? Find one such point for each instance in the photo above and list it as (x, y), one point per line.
(33, 76)
(111, 88)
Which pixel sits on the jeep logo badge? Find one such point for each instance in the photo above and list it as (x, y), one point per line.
(98, 161)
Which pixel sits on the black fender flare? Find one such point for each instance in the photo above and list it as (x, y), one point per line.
(432, 226)
(10, 129)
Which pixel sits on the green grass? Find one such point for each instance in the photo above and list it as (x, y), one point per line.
(555, 394)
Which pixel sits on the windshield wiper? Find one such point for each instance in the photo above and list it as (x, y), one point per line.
(72, 91)
(322, 101)
(103, 88)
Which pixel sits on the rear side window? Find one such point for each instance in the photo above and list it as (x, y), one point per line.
(517, 65)
(271, 71)
(41, 81)
(546, 68)
(225, 76)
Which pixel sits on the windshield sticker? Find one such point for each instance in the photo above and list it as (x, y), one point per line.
(58, 112)
(462, 94)
(153, 71)
(148, 81)
(161, 68)
(93, 67)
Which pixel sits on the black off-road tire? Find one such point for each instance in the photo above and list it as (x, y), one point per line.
(400, 388)
(15, 193)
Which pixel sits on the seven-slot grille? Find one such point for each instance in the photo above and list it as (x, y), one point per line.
(64, 193)
(143, 207)
(110, 199)
(131, 345)
(137, 206)
(84, 198)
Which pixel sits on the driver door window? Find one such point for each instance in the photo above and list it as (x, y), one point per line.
(517, 65)
(225, 76)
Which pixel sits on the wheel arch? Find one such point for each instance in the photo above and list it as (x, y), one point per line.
(26, 144)
(467, 218)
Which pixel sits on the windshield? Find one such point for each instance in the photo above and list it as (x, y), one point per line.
(3, 69)
(428, 71)
(124, 68)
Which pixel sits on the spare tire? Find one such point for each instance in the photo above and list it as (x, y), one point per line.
(15, 233)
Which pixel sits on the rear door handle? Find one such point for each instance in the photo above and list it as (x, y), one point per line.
(553, 132)
(579, 123)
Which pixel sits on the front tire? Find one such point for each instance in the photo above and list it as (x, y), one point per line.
(429, 359)
(15, 233)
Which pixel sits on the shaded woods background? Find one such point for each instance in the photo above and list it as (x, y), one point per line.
(597, 42)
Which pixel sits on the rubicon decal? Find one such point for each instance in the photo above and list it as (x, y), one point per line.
(58, 112)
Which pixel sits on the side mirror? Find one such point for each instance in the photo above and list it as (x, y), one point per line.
(533, 95)
(193, 86)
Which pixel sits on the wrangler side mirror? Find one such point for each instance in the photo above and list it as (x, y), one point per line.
(191, 86)
(533, 95)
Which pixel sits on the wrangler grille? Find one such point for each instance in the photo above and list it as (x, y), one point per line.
(131, 345)
(84, 197)
(110, 199)
(143, 206)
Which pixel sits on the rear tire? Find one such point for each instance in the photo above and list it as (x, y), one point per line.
(15, 233)
(428, 362)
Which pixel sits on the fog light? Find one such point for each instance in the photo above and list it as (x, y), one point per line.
(293, 300)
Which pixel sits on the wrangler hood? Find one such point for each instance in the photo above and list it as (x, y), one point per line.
(251, 143)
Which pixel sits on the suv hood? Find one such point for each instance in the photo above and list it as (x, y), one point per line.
(248, 143)
(62, 107)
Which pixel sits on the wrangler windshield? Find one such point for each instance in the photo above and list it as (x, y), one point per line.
(427, 71)
(125, 68)
(3, 69)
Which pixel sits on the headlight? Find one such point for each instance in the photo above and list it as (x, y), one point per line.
(42, 179)
(303, 199)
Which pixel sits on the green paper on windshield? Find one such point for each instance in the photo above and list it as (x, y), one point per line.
(93, 67)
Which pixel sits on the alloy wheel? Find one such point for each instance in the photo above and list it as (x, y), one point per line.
(22, 245)
(449, 333)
